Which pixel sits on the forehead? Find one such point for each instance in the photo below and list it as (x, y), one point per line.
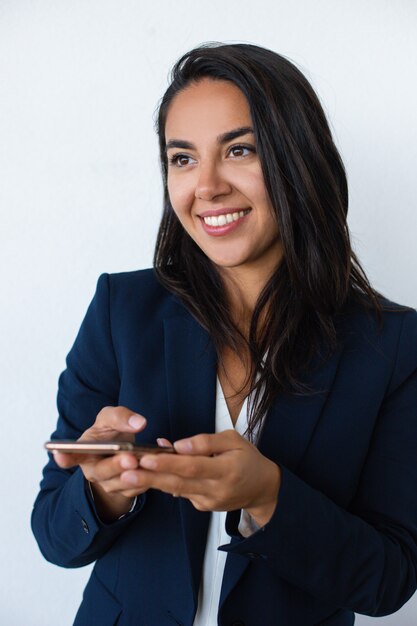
(205, 107)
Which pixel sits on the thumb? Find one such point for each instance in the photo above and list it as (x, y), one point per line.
(208, 445)
(118, 419)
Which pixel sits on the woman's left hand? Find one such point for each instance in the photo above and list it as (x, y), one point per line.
(216, 472)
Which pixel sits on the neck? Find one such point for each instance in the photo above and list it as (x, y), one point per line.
(243, 290)
(243, 287)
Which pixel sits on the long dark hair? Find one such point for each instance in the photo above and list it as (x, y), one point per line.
(294, 318)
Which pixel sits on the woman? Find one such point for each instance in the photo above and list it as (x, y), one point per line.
(257, 346)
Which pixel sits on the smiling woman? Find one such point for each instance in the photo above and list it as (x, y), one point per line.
(216, 187)
(256, 345)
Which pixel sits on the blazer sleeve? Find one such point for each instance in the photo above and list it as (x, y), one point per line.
(64, 519)
(365, 558)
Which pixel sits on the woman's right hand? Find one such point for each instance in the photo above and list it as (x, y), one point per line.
(112, 496)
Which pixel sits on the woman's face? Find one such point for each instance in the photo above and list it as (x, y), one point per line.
(215, 181)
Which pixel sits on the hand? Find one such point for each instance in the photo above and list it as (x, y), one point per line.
(219, 472)
(113, 496)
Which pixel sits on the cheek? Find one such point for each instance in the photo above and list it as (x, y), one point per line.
(180, 195)
(253, 186)
(257, 193)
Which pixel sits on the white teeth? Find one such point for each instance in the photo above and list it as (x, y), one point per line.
(226, 218)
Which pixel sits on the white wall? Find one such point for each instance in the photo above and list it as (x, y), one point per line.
(80, 192)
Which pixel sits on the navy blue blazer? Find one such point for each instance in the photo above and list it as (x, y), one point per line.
(343, 537)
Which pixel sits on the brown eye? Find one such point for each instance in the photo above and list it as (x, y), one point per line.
(240, 151)
(180, 160)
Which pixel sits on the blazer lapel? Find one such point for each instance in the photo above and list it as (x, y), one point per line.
(286, 433)
(285, 436)
(292, 418)
(191, 383)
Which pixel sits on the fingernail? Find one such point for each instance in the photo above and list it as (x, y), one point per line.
(148, 462)
(184, 445)
(136, 421)
(127, 462)
(129, 477)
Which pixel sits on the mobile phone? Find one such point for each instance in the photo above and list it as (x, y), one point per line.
(105, 448)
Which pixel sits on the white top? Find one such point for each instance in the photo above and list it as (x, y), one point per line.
(214, 559)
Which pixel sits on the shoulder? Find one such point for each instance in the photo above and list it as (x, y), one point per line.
(127, 282)
(389, 340)
(134, 285)
(365, 320)
(404, 321)
(137, 294)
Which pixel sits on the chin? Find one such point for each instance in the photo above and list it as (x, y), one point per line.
(227, 263)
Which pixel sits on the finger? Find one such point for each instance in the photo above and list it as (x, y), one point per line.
(185, 466)
(168, 483)
(163, 443)
(209, 444)
(70, 459)
(66, 460)
(120, 486)
(119, 419)
(99, 471)
(97, 467)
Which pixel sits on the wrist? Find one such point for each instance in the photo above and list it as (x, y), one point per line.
(110, 506)
(262, 511)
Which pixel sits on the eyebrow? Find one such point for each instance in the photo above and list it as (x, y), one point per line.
(221, 139)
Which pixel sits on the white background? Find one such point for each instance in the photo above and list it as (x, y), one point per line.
(80, 193)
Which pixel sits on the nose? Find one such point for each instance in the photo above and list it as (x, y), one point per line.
(211, 182)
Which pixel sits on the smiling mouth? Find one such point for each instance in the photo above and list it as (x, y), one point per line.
(225, 218)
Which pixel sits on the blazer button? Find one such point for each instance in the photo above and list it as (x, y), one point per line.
(253, 555)
(85, 526)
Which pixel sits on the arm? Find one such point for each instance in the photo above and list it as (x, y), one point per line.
(363, 558)
(64, 519)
